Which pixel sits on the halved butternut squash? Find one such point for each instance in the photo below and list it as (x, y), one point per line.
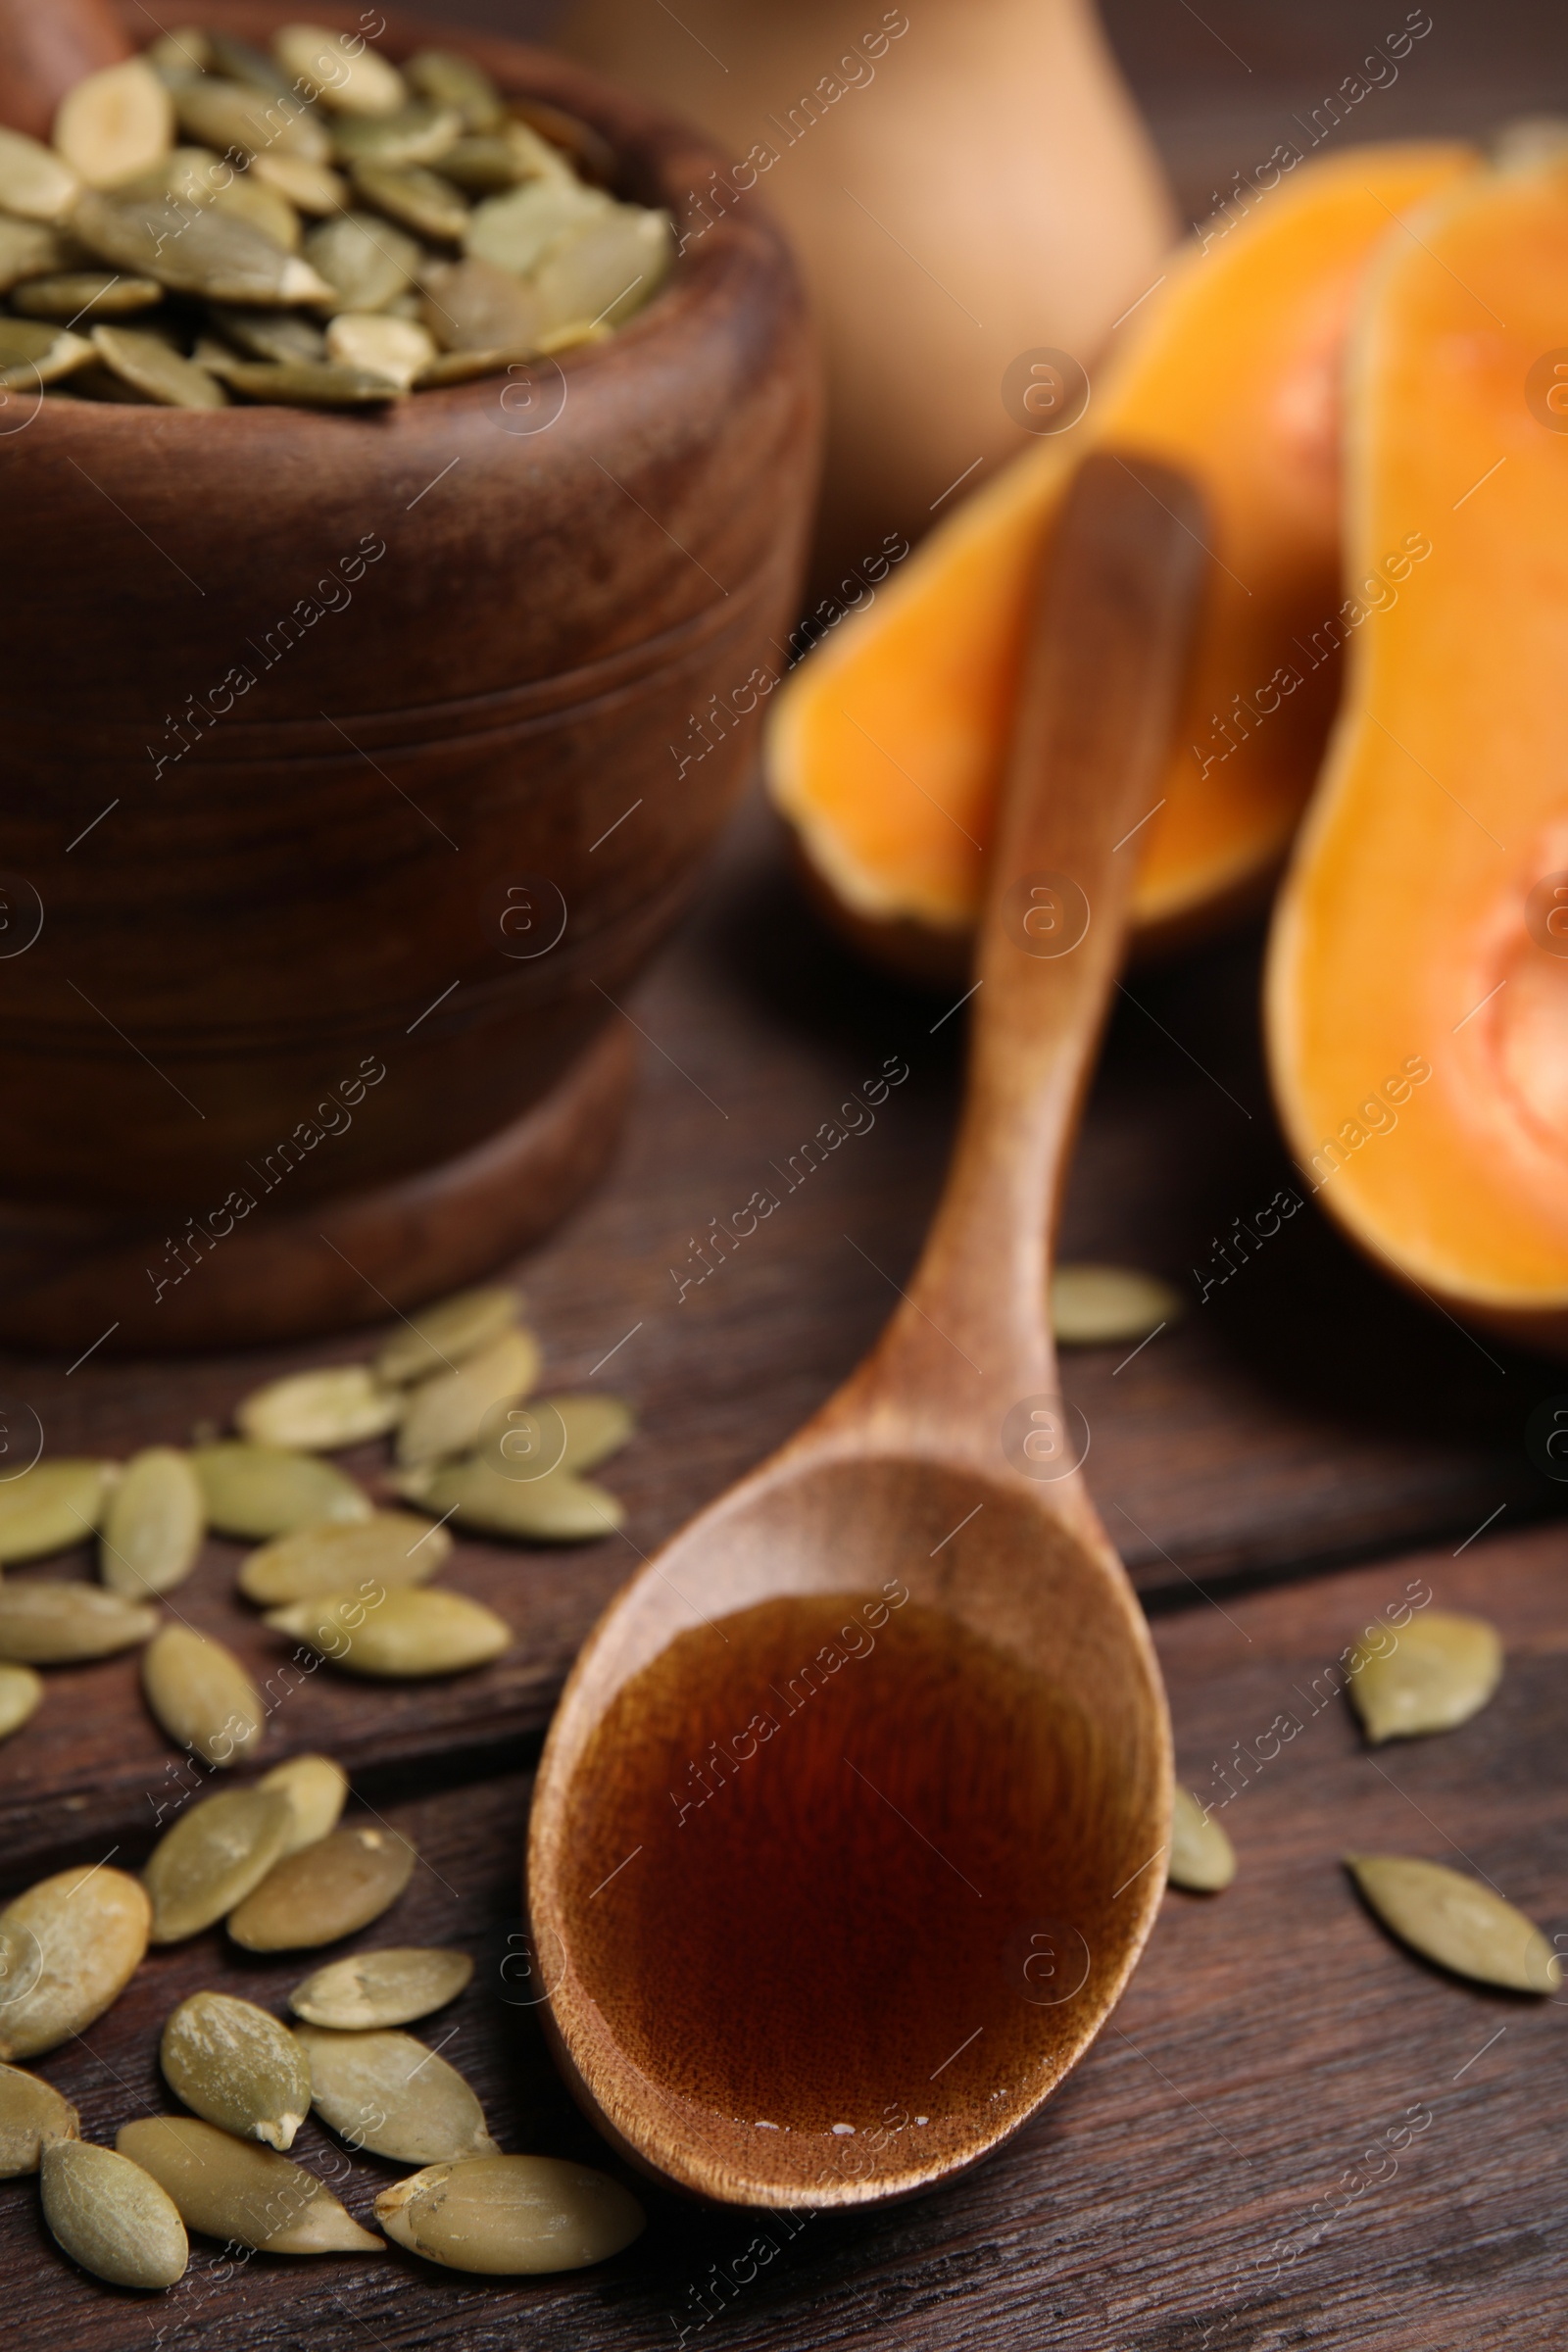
(886, 746)
(1417, 992)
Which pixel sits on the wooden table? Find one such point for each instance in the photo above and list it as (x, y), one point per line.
(1193, 2185)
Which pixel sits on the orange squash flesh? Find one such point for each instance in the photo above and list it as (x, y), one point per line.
(886, 746)
(1420, 927)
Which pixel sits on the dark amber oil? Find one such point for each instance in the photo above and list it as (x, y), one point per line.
(834, 1860)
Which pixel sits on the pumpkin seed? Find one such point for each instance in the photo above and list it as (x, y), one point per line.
(395, 349)
(464, 367)
(35, 182)
(448, 80)
(391, 1548)
(110, 2216)
(558, 1508)
(374, 1990)
(296, 385)
(487, 162)
(350, 78)
(1202, 1858)
(226, 114)
(325, 1890)
(267, 209)
(31, 2110)
(195, 252)
(446, 1334)
(239, 61)
(315, 1789)
(472, 306)
(408, 1634)
(20, 1694)
(44, 1623)
(54, 1504)
(68, 1947)
(364, 259)
(29, 249)
(516, 231)
(1443, 1669)
(1109, 1306)
(392, 2096)
(599, 276)
(590, 155)
(245, 2195)
(341, 1405)
(154, 368)
(446, 1412)
(237, 2066)
(201, 1694)
(114, 124)
(193, 175)
(213, 1857)
(311, 187)
(422, 201)
(417, 133)
(259, 1491)
(597, 1425)
(175, 56)
(154, 1524)
(281, 336)
(508, 2215)
(1458, 1922)
(74, 292)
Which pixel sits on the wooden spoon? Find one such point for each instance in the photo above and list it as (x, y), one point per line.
(46, 47)
(852, 1821)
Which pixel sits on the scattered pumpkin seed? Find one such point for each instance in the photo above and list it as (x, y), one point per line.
(505, 2216)
(364, 259)
(298, 384)
(446, 1334)
(213, 1856)
(417, 133)
(345, 75)
(1202, 1858)
(1109, 1306)
(517, 230)
(422, 201)
(246, 2195)
(202, 1695)
(317, 1412)
(558, 1508)
(474, 306)
(311, 187)
(1458, 1922)
(20, 1694)
(114, 124)
(315, 1789)
(54, 1504)
(237, 2066)
(68, 1947)
(29, 249)
(325, 1890)
(1442, 1671)
(392, 2096)
(408, 1634)
(597, 1425)
(281, 336)
(195, 252)
(152, 367)
(446, 1412)
(35, 183)
(265, 208)
(31, 2110)
(391, 1548)
(110, 2216)
(450, 81)
(394, 348)
(153, 1524)
(261, 1491)
(46, 1623)
(74, 292)
(227, 115)
(376, 1990)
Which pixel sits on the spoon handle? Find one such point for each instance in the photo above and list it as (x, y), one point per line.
(1112, 631)
(47, 45)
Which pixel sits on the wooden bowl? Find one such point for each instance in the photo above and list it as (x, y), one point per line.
(355, 769)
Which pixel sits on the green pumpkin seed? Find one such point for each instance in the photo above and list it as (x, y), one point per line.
(446, 1413)
(589, 154)
(245, 2195)
(281, 336)
(195, 252)
(344, 73)
(601, 276)
(1109, 1306)
(449, 80)
(597, 1425)
(212, 1858)
(265, 208)
(464, 366)
(486, 164)
(314, 188)
(392, 2096)
(202, 1695)
(376, 1990)
(517, 230)
(114, 124)
(1202, 1858)
(317, 1412)
(110, 2216)
(44, 1623)
(54, 1504)
(422, 201)
(176, 56)
(417, 133)
(472, 306)
(404, 1636)
(507, 2216)
(74, 292)
(68, 1947)
(239, 61)
(261, 1491)
(391, 1548)
(364, 259)
(238, 2067)
(152, 1525)
(20, 1694)
(446, 1334)
(154, 368)
(1442, 1670)
(1458, 1922)
(558, 1508)
(325, 1890)
(315, 1789)
(226, 115)
(31, 2110)
(35, 183)
(393, 348)
(28, 250)
(296, 385)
